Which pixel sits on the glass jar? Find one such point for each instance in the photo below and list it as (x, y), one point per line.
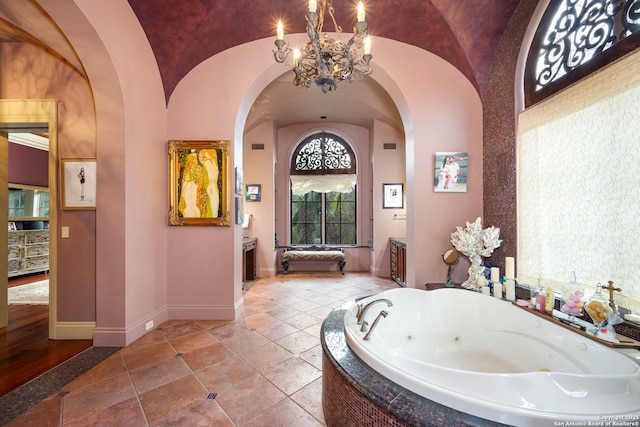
(574, 298)
(598, 307)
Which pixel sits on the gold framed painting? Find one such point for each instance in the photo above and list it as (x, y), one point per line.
(199, 183)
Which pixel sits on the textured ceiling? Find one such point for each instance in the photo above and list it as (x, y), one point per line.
(184, 33)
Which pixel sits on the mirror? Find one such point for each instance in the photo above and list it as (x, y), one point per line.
(451, 258)
(28, 202)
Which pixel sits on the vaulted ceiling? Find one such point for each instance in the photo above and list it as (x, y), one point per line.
(184, 33)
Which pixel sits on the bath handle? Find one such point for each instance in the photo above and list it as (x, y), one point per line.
(383, 313)
(364, 326)
(362, 311)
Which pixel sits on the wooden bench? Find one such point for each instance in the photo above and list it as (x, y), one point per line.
(313, 254)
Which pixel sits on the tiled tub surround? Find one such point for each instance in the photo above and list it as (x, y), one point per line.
(355, 394)
(354, 391)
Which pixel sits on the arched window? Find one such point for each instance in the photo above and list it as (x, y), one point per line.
(323, 191)
(576, 38)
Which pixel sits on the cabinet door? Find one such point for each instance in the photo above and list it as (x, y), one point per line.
(394, 260)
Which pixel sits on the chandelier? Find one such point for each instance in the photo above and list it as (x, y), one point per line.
(325, 60)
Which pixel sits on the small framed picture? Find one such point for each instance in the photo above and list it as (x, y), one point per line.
(12, 225)
(239, 210)
(392, 196)
(253, 192)
(238, 181)
(78, 183)
(450, 172)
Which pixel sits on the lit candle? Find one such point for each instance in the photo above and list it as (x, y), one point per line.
(367, 46)
(296, 56)
(360, 12)
(509, 268)
(312, 6)
(280, 31)
(511, 290)
(495, 274)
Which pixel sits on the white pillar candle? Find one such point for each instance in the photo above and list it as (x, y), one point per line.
(495, 274)
(482, 281)
(509, 268)
(486, 290)
(510, 290)
(367, 46)
(497, 290)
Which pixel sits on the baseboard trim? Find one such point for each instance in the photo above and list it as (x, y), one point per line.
(196, 312)
(109, 337)
(75, 330)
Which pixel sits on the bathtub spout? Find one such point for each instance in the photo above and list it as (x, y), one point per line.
(362, 311)
(383, 313)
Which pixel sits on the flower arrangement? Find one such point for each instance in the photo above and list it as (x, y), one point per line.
(475, 243)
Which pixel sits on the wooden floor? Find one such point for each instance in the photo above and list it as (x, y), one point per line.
(25, 348)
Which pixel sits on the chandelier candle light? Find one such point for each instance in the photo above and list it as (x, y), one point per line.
(325, 60)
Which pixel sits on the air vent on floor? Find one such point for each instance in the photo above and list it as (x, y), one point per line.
(389, 146)
(211, 396)
(257, 146)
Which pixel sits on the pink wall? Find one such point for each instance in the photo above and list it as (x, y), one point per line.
(52, 78)
(258, 167)
(28, 166)
(148, 270)
(388, 167)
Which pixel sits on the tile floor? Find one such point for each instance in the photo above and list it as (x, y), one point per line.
(263, 369)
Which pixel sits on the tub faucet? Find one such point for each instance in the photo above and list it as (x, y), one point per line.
(383, 313)
(363, 310)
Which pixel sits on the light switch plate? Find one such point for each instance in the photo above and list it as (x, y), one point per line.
(65, 232)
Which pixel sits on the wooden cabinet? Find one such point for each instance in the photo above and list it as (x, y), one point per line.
(399, 260)
(249, 264)
(28, 252)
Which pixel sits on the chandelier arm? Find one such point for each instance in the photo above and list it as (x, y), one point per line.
(324, 60)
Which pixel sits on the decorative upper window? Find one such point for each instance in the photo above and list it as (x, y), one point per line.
(577, 37)
(323, 154)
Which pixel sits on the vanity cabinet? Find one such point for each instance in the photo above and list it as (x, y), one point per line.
(28, 252)
(398, 260)
(249, 264)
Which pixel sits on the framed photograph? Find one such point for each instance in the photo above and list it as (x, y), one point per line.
(199, 183)
(78, 184)
(239, 210)
(392, 196)
(253, 192)
(12, 225)
(238, 181)
(450, 172)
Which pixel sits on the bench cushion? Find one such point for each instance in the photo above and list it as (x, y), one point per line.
(297, 255)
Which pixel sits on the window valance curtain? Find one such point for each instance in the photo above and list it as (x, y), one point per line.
(303, 184)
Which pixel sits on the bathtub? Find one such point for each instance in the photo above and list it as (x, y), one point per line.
(491, 359)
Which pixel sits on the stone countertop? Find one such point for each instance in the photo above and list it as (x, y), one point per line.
(403, 404)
